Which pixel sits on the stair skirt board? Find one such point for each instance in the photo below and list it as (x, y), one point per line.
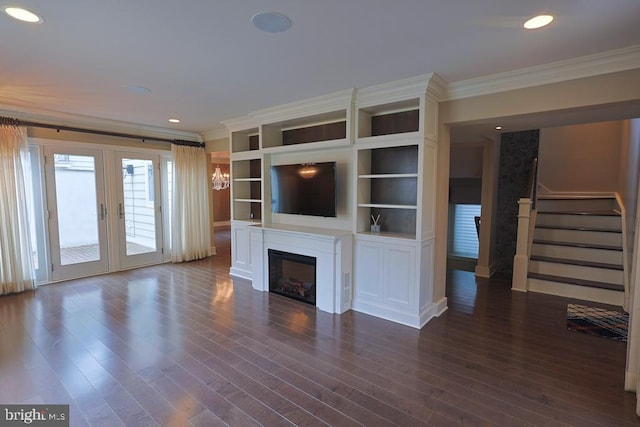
(604, 296)
(572, 220)
(577, 253)
(577, 272)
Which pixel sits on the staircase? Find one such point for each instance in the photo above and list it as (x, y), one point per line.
(577, 249)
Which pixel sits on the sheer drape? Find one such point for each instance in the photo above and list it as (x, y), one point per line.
(16, 263)
(191, 232)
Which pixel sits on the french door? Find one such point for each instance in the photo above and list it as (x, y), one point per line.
(138, 209)
(77, 212)
(103, 211)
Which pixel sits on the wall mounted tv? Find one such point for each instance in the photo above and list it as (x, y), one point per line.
(304, 189)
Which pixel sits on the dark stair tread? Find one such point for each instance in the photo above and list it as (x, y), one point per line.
(579, 282)
(565, 227)
(591, 213)
(579, 245)
(577, 262)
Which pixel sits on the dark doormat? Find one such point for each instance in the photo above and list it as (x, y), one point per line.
(597, 321)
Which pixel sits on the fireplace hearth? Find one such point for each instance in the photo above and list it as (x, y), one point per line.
(292, 275)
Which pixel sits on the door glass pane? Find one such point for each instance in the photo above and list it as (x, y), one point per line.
(75, 178)
(139, 206)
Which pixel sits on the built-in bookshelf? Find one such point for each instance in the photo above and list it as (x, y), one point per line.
(385, 141)
(246, 189)
(387, 190)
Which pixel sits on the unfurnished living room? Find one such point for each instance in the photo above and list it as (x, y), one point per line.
(332, 213)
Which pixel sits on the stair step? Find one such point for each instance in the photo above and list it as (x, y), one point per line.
(577, 272)
(578, 228)
(579, 282)
(568, 290)
(577, 253)
(578, 236)
(578, 245)
(603, 212)
(569, 219)
(578, 262)
(576, 203)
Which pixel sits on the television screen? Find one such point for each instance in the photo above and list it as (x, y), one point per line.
(304, 189)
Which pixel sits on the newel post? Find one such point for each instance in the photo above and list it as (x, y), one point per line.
(521, 259)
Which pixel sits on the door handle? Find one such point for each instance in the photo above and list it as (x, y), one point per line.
(103, 211)
(120, 210)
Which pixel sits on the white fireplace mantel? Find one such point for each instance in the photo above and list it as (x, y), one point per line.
(332, 250)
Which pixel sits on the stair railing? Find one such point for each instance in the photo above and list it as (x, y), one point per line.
(526, 225)
(532, 188)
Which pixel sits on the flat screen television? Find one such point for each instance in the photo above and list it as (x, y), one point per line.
(304, 189)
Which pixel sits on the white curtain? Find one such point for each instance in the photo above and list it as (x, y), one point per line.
(191, 229)
(16, 262)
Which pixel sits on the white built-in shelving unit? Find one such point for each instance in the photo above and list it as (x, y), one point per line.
(385, 140)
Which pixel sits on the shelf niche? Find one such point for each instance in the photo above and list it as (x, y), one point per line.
(401, 222)
(247, 189)
(389, 179)
(394, 160)
(389, 119)
(394, 123)
(317, 133)
(243, 141)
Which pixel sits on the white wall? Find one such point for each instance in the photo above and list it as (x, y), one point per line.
(629, 179)
(582, 158)
(466, 161)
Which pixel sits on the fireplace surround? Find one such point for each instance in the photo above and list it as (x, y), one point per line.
(331, 249)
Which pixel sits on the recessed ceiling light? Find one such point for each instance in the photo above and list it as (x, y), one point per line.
(498, 127)
(271, 22)
(538, 22)
(22, 14)
(139, 90)
(174, 120)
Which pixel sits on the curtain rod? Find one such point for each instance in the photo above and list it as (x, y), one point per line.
(8, 121)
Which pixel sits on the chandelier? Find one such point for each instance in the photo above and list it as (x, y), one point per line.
(219, 180)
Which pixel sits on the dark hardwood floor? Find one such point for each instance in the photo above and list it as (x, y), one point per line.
(183, 345)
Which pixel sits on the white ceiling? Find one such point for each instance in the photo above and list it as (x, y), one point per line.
(204, 61)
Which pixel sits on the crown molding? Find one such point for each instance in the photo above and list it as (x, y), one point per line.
(319, 105)
(585, 66)
(240, 123)
(219, 132)
(399, 90)
(92, 123)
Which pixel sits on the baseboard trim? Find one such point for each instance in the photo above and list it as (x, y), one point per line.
(485, 271)
(441, 306)
(240, 274)
(630, 381)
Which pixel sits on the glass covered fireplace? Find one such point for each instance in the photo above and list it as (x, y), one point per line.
(292, 275)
